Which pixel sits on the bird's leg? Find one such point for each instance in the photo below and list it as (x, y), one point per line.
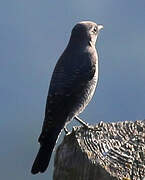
(66, 130)
(81, 121)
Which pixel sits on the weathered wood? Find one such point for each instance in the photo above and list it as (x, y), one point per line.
(107, 151)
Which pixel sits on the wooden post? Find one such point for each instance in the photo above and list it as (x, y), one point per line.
(107, 151)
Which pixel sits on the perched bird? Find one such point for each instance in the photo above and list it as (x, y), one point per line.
(71, 88)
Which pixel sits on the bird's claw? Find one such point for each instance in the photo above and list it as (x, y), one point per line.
(66, 130)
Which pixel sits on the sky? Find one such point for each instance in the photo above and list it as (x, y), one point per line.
(33, 34)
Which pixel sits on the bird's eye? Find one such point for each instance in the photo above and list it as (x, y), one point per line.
(95, 29)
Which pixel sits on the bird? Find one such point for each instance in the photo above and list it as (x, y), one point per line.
(72, 86)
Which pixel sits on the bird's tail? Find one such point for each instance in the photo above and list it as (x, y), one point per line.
(47, 143)
(42, 159)
(49, 135)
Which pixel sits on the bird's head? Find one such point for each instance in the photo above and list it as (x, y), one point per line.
(86, 31)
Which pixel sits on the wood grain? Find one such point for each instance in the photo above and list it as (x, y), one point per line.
(106, 151)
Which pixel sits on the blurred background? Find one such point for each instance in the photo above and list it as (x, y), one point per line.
(33, 34)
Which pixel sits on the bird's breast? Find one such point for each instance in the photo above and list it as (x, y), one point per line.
(85, 95)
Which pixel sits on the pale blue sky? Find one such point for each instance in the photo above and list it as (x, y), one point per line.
(33, 34)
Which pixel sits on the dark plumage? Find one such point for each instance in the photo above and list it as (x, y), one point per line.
(72, 86)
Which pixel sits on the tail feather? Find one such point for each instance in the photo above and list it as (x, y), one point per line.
(47, 140)
(42, 159)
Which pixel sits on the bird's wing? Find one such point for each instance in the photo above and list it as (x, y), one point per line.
(70, 75)
(71, 71)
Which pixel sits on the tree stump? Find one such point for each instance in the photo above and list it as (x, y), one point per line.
(106, 151)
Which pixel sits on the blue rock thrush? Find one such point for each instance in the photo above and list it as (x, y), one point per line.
(71, 88)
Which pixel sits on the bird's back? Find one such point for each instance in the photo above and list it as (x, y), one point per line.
(75, 78)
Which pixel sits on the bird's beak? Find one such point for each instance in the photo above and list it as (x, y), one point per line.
(100, 26)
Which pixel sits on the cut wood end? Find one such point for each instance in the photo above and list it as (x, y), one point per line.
(104, 151)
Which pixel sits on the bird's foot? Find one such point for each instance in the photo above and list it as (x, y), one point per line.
(86, 125)
(66, 131)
